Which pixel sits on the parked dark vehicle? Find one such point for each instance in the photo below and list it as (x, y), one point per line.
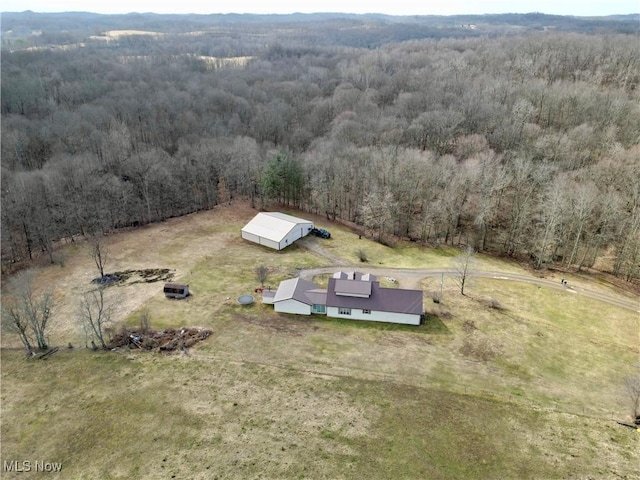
(320, 232)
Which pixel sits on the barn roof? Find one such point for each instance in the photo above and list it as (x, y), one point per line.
(273, 225)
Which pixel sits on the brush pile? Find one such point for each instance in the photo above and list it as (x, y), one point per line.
(166, 340)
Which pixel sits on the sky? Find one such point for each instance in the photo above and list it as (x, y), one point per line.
(391, 7)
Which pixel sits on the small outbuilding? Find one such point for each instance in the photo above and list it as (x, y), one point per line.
(276, 230)
(176, 290)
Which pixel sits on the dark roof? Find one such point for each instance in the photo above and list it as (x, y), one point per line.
(352, 288)
(178, 286)
(268, 293)
(395, 300)
(366, 277)
(295, 288)
(317, 296)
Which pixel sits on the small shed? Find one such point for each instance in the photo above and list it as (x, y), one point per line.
(176, 290)
(276, 230)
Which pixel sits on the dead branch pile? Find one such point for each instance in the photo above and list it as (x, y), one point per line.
(43, 354)
(163, 340)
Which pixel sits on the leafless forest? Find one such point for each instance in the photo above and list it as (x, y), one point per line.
(518, 135)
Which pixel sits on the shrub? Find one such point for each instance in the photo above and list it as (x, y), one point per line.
(480, 348)
(494, 303)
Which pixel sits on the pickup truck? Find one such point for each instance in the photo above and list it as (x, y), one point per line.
(320, 232)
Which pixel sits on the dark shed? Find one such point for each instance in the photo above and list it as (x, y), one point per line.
(176, 290)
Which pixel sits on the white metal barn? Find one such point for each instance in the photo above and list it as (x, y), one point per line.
(276, 230)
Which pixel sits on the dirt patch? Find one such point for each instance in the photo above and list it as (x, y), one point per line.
(469, 326)
(311, 243)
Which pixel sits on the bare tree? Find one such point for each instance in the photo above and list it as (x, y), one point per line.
(145, 321)
(463, 267)
(99, 252)
(550, 219)
(525, 179)
(435, 130)
(262, 272)
(27, 312)
(632, 384)
(490, 179)
(14, 321)
(627, 241)
(583, 201)
(94, 314)
(376, 211)
(145, 171)
(406, 186)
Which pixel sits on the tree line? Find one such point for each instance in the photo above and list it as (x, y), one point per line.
(522, 145)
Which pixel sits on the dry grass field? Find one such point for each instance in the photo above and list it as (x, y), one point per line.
(512, 381)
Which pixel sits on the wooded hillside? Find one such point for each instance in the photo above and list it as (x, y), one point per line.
(515, 137)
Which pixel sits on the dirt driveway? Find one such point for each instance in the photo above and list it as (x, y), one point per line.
(410, 278)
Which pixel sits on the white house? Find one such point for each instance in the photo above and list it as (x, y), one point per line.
(276, 230)
(360, 297)
(299, 296)
(350, 295)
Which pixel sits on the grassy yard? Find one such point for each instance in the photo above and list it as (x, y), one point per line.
(512, 381)
(346, 244)
(207, 416)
